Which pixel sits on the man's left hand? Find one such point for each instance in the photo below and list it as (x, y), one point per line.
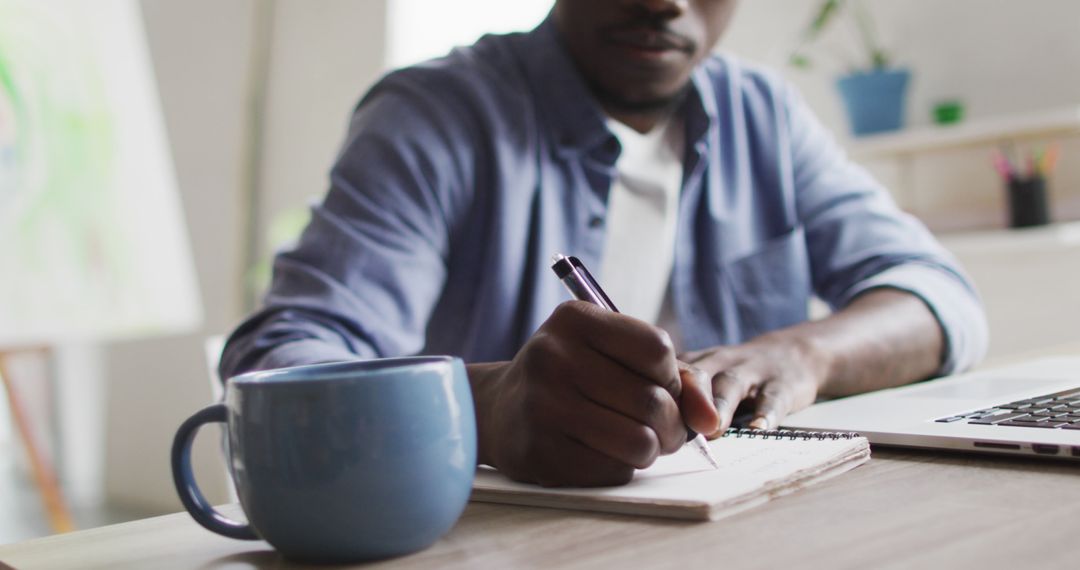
(779, 374)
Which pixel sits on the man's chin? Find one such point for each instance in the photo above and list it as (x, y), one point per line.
(641, 102)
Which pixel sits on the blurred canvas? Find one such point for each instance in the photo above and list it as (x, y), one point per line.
(92, 241)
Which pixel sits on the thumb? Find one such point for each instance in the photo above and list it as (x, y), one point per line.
(696, 401)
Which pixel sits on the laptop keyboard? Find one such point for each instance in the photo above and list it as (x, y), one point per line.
(1060, 410)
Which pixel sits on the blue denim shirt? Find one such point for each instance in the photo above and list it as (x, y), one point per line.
(460, 177)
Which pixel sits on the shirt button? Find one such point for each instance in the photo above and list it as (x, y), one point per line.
(596, 222)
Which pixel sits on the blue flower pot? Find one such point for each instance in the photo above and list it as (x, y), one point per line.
(875, 99)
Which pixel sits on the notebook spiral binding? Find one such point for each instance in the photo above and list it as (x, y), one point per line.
(789, 433)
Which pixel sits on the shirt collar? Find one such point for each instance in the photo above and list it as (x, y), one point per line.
(569, 108)
(700, 109)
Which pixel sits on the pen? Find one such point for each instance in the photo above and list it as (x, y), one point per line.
(1050, 159)
(1001, 164)
(581, 284)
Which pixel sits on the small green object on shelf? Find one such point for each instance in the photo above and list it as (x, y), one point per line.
(948, 112)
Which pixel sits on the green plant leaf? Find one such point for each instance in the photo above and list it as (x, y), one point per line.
(799, 60)
(880, 59)
(825, 14)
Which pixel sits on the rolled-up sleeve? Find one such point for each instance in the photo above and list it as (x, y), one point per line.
(957, 310)
(858, 239)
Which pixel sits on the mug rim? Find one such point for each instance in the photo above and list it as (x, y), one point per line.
(339, 370)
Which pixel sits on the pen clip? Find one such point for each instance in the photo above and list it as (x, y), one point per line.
(591, 282)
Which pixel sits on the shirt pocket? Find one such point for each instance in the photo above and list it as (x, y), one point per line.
(770, 285)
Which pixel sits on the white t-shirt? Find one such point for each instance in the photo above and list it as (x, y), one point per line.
(642, 216)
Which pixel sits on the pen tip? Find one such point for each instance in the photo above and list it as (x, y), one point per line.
(703, 447)
(712, 460)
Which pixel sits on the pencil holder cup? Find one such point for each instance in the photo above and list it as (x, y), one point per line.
(1028, 204)
(341, 462)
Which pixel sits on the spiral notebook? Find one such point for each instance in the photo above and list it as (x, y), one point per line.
(755, 466)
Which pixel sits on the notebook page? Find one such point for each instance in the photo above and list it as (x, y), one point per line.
(748, 466)
(745, 465)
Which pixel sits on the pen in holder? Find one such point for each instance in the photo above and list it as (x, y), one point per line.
(1027, 201)
(1026, 189)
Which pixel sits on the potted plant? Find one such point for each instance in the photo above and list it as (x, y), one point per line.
(874, 91)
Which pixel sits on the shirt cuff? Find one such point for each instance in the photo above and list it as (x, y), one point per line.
(301, 352)
(953, 302)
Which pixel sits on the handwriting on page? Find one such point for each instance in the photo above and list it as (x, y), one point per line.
(744, 464)
(745, 455)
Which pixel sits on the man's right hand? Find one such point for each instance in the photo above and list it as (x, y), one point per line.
(591, 396)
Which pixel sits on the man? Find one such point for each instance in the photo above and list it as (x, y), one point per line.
(462, 176)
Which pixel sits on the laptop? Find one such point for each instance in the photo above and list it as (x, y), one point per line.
(1032, 408)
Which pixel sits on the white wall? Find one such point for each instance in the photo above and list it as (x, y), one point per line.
(201, 67)
(999, 56)
(324, 55)
(1029, 281)
(424, 29)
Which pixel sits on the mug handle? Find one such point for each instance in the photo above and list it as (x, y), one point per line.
(190, 495)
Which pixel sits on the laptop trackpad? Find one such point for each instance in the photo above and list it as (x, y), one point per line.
(984, 388)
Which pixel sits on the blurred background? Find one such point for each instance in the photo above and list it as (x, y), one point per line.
(145, 184)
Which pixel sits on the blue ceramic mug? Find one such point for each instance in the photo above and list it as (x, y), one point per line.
(343, 461)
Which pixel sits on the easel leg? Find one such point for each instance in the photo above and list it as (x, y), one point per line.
(44, 477)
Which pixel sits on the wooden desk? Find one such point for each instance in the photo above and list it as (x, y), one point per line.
(903, 509)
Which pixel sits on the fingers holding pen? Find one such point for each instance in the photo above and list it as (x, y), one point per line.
(628, 402)
(580, 373)
(614, 435)
(635, 344)
(547, 432)
(696, 402)
(611, 386)
(572, 463)
(631, 368)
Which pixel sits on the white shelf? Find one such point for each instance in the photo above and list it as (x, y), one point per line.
(1021, 241)
(1055, 122)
